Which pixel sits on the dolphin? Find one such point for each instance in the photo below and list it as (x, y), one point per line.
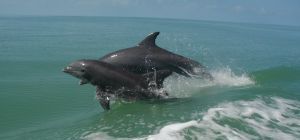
(146, 57)
(112, 81)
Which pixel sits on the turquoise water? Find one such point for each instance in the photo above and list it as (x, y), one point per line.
(255, 94)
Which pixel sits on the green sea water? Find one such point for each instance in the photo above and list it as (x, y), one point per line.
(255, 93)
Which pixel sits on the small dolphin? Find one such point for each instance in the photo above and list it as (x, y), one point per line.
(112, 81)
(147, 57)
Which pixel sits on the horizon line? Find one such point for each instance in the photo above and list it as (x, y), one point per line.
(150, 17)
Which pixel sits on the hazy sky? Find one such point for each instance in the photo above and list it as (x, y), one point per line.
(258, 11)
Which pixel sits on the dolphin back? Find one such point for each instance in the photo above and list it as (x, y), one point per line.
(147, 56)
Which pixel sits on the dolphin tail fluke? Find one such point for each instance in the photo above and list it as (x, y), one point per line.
(149, 41)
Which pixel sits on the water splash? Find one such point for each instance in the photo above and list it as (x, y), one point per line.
(179, 86)
(226, 77)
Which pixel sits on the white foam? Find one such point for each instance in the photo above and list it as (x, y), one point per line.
(172, 131)
(97, 136)
(274, 119)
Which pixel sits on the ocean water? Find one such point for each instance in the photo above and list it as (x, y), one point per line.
(255, 94)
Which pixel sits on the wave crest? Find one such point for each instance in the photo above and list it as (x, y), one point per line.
(271, 118)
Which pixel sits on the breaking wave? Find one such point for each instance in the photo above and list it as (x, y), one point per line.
(262, 118)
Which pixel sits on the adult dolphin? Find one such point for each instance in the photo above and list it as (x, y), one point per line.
(148, 57)
(112, 81)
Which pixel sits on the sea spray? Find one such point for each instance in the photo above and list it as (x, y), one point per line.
(226, 77)
(180, 86)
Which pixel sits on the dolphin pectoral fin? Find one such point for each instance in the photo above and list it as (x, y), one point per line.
(104, 102)
(103, 99)
(149, 41)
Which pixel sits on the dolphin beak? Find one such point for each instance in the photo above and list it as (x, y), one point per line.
(66, 69)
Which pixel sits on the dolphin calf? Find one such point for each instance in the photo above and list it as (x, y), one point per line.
(146, 57)
(112, 81)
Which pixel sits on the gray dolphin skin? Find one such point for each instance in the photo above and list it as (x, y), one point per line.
(134, 73)
(147, 56)
(112, 81)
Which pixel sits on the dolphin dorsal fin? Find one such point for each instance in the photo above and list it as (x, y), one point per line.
(149, 41)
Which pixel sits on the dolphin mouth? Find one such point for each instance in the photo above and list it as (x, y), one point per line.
(67, 69)
(70, 71)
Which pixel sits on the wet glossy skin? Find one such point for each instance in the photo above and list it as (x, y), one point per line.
(147, 56)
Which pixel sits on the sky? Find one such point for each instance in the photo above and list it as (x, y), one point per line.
(282, 12)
